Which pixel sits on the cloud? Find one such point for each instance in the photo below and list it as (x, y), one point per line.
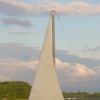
(14, 65)
(77, 69)
(17, 32)
(24, 52)
(18, 62)
(68, 74)
(61, 64)
(10, 68)
(11, 8)
(95, 49)
(15, 21)
(72, 8)
(83, 70)
(70, 58)
(18, 51)
(78, 77)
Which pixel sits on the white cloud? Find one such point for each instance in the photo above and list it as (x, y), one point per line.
(9, 67)
(83, 70)
(13, 65)
(78, 77)
(77, 69)
(61, 64)
(71, 8)
(69, 75)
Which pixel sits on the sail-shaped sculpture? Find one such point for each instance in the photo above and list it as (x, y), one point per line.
(45, 85)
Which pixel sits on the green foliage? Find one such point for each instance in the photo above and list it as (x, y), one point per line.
(21, 90)
(81, 95)
(14, 89)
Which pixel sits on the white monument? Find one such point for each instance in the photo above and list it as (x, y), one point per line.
(45, 85)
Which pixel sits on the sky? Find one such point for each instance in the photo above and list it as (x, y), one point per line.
(23, 25)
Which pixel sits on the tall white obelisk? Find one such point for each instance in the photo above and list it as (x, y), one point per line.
(45, 85)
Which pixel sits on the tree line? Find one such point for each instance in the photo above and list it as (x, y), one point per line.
(21, 90)
(14, 90)
(81, 95)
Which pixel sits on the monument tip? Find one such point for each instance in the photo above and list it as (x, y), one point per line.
(53, 12)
